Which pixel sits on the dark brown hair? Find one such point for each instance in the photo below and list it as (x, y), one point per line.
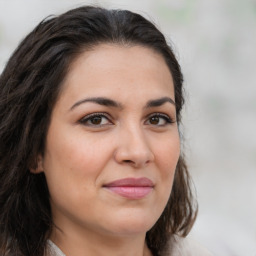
(29, 87)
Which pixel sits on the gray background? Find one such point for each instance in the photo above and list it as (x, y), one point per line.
(215, 41)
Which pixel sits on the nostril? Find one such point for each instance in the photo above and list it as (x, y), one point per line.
(127, 161)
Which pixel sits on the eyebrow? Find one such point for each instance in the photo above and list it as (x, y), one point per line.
(111, 103)
(98, 100)
(159, 102)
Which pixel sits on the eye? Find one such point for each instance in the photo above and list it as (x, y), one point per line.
(158, 119)
(96, 119)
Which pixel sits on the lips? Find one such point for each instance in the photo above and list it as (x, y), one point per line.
(131, 188)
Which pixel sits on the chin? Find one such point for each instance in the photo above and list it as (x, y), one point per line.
(133, 224)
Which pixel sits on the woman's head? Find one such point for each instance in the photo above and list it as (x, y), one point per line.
(31, 87)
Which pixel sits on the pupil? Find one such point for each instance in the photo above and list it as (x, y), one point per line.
(96, 120)
(154, 120)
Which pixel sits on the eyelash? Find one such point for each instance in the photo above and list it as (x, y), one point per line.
(166, 118)
(89, 117)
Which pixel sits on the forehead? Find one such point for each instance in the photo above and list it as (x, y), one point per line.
(112, 67)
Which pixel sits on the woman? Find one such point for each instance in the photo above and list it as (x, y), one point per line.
(90, 106)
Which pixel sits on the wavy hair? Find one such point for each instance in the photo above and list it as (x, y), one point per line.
(29, 87)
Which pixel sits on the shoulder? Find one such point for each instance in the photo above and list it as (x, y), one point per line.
(180, 246)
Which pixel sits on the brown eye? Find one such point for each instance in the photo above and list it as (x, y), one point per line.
(154, 120)
(95, 119)
(159, 119)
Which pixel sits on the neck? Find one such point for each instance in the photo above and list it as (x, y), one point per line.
(74, 244)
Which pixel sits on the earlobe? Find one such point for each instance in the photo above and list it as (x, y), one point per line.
(38, 168)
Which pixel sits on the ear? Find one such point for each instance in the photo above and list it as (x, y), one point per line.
(38, 168)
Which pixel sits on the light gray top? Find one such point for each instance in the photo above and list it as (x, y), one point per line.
(186, 247)
(53, 249)
(179, 247)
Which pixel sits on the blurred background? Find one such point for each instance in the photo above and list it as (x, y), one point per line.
(215, 42)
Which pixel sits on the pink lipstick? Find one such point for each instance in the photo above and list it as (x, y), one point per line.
(131, 188)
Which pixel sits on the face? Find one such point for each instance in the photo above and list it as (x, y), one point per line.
(113, 143)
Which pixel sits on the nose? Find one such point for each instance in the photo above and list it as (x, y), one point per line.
(133, 149)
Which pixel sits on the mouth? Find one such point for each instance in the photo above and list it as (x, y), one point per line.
(131, 188)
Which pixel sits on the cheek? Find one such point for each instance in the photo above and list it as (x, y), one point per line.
(167, 154)
(166, 157)
(71, 158)
(71, 167)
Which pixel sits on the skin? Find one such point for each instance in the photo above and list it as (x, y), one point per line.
(84, 153)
